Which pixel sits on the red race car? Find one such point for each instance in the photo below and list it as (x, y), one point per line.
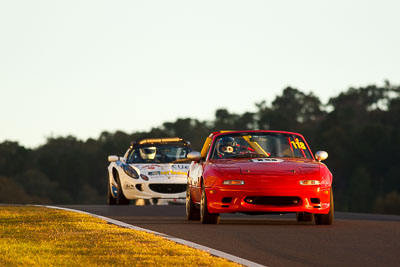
(258, 172)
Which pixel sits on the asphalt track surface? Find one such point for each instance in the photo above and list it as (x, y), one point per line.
(274, 240)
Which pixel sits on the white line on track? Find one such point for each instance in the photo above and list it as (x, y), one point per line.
(212, 251)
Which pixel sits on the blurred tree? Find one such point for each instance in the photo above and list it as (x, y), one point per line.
(292, 111)
(389, 204)
(14, 158)
(12, 193)
(115, 143)
(36, 183)
(224, 120)
(192, 130)
(359, 131)
(360, 195)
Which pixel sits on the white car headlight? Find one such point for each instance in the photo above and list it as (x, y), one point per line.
(130, 171)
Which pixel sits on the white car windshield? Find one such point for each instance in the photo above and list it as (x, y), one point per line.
(158, 154)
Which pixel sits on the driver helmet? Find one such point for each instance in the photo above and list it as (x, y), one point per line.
(148, 152)
(226, 145)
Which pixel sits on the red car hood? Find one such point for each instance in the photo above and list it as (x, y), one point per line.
(269, 167)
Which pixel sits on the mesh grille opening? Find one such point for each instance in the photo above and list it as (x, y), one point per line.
(273, 201)
(168, 188)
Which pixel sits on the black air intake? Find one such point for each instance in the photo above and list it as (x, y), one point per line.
(168, 188)
(273, 201)
(139, 187)
(315, 200)
(226, 200)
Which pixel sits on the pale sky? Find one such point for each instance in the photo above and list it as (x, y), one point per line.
(80, 67)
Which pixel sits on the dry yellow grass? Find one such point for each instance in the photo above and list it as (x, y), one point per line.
(38, 236)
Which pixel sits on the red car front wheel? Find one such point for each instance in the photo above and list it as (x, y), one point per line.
(326, 219)
(192, 213)
(205, 216)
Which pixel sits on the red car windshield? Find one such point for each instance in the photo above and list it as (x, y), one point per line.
(254, 145)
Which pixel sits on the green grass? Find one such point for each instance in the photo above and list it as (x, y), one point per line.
(38, 236)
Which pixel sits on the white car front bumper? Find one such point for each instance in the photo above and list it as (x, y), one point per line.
(155, 188)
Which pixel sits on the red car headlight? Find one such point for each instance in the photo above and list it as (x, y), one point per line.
(310, 182)
(233, 182)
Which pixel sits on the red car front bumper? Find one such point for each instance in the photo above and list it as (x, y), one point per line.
(313, 199)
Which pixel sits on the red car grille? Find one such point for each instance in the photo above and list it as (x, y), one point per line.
(168, 188)
(273, 201)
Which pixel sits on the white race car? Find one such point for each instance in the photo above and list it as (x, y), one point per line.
(151, 169)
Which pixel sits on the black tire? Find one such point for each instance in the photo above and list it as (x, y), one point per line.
(121, 199)
(326, 219)
(205, 216)
(192, 213)
(110, 199)
(304, 217)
